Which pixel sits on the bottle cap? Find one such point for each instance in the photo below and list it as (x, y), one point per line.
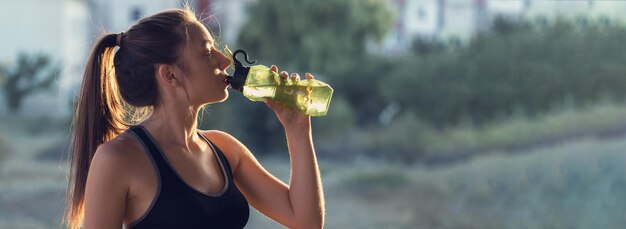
(238, 78)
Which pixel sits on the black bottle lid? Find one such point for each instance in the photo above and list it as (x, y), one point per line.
(238, 78)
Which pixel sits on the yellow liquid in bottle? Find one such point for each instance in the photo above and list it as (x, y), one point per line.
(310, 96)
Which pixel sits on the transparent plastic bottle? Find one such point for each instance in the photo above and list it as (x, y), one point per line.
(309, 96)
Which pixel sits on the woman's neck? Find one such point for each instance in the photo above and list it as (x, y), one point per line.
(174, 127)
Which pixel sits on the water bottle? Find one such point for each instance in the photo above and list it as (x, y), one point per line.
(309, 96)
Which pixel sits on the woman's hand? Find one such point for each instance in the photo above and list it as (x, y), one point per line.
(289, 118)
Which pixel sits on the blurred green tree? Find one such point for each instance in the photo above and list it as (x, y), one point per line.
(31, 73)
(321, 36)
(505, 25)
(427, 46)
(4, 149)
(518, 68)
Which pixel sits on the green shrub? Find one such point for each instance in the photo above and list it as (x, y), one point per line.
(376, 183)
(403, 139)
(407, 138)
(528, 67)
(338, 121)
(4, 149)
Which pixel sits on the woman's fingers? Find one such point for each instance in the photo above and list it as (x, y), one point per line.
(294, 76)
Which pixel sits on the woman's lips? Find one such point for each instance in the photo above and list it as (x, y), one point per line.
(225, 80)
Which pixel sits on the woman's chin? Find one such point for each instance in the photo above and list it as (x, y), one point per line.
(225, 96)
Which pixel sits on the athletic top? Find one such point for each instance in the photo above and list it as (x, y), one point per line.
(177, 205)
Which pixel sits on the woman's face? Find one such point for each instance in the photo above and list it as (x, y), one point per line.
(204, 68)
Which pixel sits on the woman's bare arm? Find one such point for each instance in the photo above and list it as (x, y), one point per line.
(298, 205)
(107, 186)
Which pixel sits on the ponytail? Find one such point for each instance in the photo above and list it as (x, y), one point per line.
(119, 88)
(99, 117)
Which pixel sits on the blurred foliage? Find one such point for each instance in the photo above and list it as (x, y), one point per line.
(426, 46)
(312, 35)
(403, 139)
(401, 107)
(378, 183)
(337, 122)
(4, 149)
(360, 87)
(498, 73)
(518, 70)
(30, 74)
(409, 139)
(334, 131)
(326, 37)
(33, 125)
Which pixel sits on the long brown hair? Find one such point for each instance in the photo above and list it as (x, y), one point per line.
(119, 88)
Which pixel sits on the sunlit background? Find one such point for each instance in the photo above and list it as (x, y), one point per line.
(446, 113)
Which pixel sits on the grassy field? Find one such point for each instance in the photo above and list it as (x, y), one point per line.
(569, 184)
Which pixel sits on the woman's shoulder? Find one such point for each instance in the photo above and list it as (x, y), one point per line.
(123, 145)
(120, 152)
(229, 145)
(114, 164)
(218, 135)
(222, 138)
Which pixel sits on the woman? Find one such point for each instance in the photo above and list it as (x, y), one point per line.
(163, 172)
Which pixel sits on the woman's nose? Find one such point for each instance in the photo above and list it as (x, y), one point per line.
(223, 61)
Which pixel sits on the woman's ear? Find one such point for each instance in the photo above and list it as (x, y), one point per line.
(165, 73)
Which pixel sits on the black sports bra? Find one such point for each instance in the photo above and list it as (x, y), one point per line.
(177, 205)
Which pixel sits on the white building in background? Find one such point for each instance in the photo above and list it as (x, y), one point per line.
(556, 8)
(462, 18)
(412, 19)
(430, 19)
(612, 10)
(57, 28)
(433, 19)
